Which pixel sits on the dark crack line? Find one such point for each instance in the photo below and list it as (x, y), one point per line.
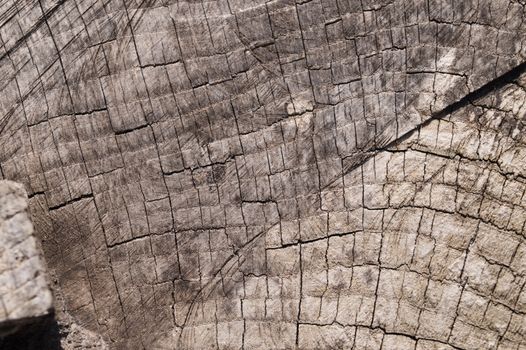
(508, 77)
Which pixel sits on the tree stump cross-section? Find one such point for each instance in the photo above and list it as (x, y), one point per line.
(283, 174)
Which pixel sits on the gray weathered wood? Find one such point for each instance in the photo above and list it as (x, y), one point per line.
(274, 174)
(25, 297)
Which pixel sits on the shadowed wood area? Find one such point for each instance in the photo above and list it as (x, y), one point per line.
(280, 174)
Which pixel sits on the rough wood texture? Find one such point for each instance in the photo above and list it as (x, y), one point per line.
(25, 297)
(276, 174)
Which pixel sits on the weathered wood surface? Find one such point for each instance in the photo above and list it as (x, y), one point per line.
(25, 297)
(274, 174)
